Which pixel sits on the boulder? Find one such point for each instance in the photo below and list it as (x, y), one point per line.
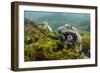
(71, 36)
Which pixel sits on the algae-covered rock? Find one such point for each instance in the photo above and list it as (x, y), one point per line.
(42, 44)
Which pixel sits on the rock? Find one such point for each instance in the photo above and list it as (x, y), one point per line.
(71, 36)
(46, 26)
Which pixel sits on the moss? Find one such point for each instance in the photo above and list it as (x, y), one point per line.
(41, 44)
(27, 58)
(86, 45)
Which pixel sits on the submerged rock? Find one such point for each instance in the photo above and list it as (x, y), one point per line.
(71, 36)
(46, 26)
(43, 44)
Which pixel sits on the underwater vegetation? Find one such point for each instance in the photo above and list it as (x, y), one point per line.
(41, 44)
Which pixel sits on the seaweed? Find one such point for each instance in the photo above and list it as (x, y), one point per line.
(42, 44)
